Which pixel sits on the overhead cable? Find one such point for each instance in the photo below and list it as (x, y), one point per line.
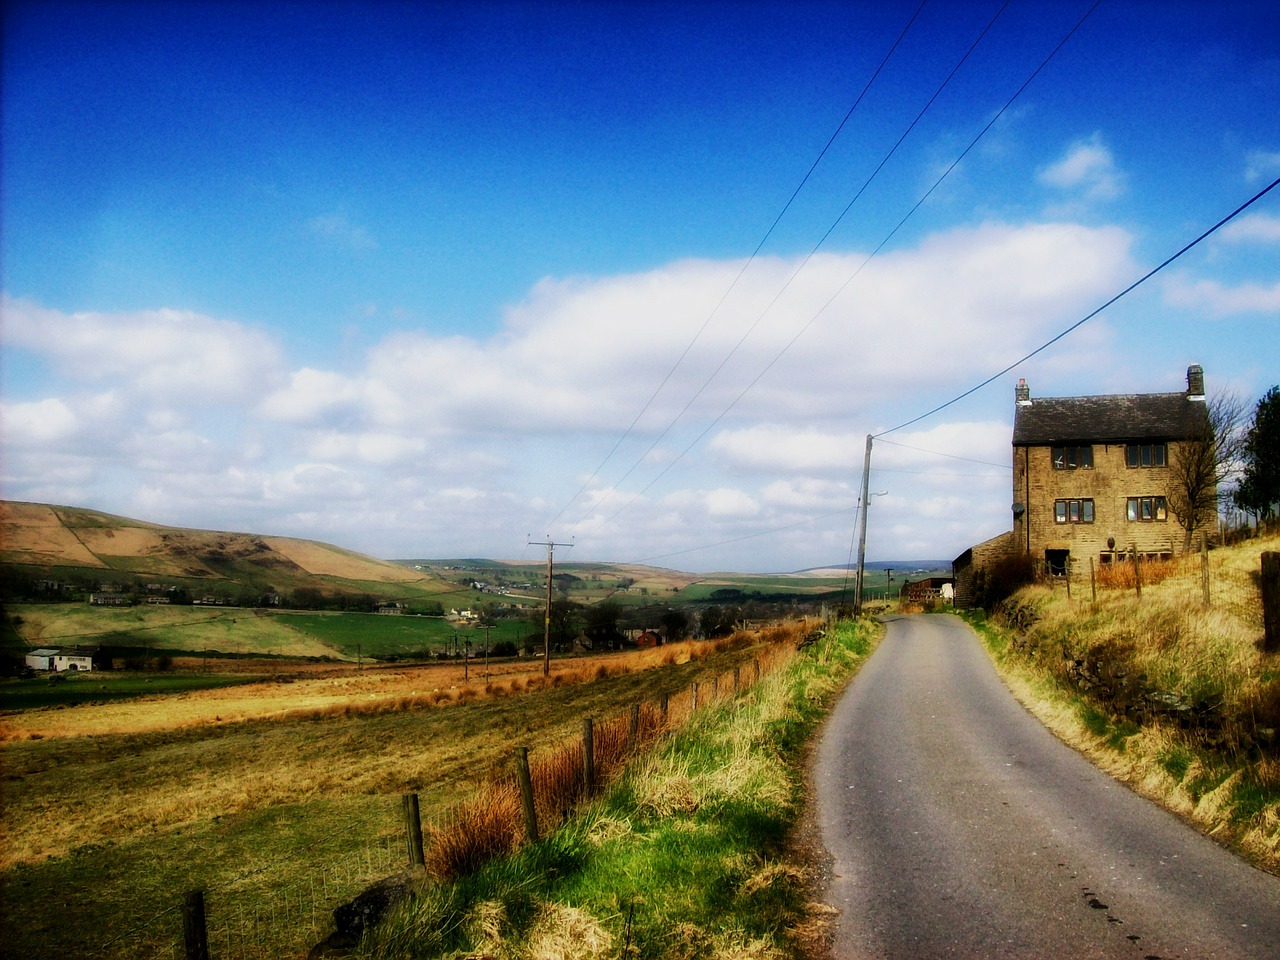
(1089, 316)
(879, 247)
(751, 259)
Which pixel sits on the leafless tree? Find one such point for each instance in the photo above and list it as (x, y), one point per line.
(1200, 466)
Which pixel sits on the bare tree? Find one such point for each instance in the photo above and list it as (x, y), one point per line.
(1200, 465)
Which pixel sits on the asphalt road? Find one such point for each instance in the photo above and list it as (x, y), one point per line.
(959, 827)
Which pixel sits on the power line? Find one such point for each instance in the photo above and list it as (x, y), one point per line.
(1089, 316)
(741, 272)
(949, 456)
(840, 290)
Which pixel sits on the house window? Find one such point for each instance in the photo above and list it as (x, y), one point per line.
(1072, 458)
(1146, 509)
(1147, 454)
(1073, 511)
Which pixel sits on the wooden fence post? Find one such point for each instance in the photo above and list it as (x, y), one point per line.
(757, 663)
(1137, 572)
(664, 706)
(1093, 583)
(737, 678)
(1271, 601)
(413, 828)
(588, 755)
(526, 794)
(194, 935)
(693, 697)
(633, 731)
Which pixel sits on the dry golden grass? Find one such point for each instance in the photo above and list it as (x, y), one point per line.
(320, 691)
(325, 560)
(32, 533)
(106, 773)
(1193, 703)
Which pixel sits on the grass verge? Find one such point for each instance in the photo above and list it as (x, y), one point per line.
(684, 856)
(1172, 697)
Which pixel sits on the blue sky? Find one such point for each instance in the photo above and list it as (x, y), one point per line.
(401, 276)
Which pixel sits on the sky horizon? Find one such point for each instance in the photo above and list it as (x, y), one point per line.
(447, 280)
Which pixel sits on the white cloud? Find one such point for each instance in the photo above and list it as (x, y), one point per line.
(1252, 228)
(772, 447)
(42, 421)
(309, 396)
(335, 228)
(429, 445)
(1261, 164)
(1088, 168)
(1220, 300)
(174, 356)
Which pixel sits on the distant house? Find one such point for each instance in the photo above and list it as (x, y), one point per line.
(59, 661)
(41, 659)
(108, 598)
(73, 661)
(649, 638)
(1091, 477)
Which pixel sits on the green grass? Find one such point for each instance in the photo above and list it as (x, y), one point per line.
(71, 690)
(686, 856)
(377, 635)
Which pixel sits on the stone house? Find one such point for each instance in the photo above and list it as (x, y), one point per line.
(1091, 477)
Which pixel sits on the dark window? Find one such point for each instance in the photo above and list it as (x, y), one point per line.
(1073, 511)
(1072, 458)
(1146, 509)
(1057, 562)
(1147, 454)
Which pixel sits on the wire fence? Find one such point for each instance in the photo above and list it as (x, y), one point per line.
(285, 906)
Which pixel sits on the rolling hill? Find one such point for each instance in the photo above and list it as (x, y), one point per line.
(57, 541)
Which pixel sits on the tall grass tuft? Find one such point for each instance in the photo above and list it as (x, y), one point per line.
(478, 831)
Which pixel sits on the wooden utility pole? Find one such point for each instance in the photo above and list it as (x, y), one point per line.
(546, 633)
(862, 532)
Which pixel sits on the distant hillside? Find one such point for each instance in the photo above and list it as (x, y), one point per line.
(61, 541)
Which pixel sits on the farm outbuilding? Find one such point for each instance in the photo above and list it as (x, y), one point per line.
(60, 661)
(41, 659)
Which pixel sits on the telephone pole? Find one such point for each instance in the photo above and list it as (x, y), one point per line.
(862, 532)
(551, 549)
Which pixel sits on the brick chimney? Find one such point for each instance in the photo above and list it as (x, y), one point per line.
(1022, 393)
(1195, 382)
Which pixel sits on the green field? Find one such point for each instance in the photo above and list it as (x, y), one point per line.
(374, 635)
(73, 690)
(244, 632)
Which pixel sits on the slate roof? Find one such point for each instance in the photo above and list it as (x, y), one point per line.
(1107, 419)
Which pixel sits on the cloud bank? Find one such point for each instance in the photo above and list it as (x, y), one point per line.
(429, 445)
